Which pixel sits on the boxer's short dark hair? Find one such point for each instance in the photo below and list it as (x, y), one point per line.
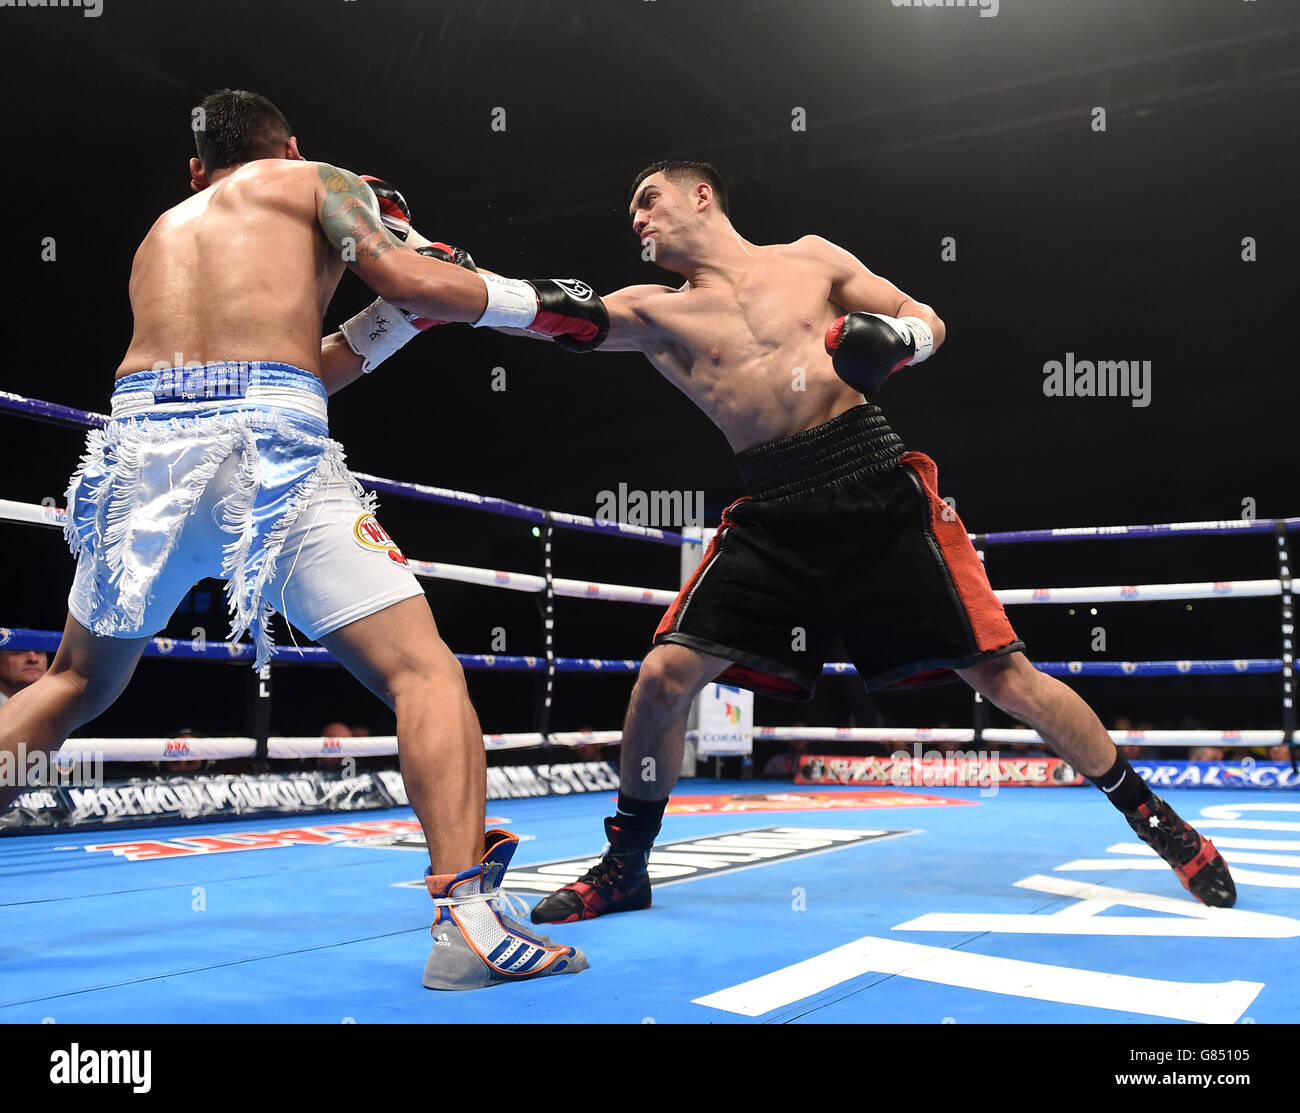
(238, 126)
(695, 171)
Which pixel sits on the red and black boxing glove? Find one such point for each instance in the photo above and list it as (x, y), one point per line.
(866, 348)
(565, 309)
(447, 254)
(393, 209)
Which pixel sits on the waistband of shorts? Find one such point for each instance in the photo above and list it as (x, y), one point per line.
(197, 388)
(859, 442)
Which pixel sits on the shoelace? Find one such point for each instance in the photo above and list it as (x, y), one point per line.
(1170, 835)
(608, 869)
(514, 906)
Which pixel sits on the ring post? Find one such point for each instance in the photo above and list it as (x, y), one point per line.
(546, 605)
(259, 711)
(1288, 638)
(980, 716)
(692, 553)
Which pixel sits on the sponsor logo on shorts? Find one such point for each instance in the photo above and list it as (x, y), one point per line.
(369, 534)
(196, 380)
(693, 858)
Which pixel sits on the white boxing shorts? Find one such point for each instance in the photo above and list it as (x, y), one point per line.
(225, 470)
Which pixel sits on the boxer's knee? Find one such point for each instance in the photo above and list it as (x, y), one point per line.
(425, 667)
(667, 683)
(1009, 682)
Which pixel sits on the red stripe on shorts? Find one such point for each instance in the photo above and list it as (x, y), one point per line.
(989, 622)
(669, 620)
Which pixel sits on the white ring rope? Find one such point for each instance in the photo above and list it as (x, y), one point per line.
(625, 593)
(205, 749)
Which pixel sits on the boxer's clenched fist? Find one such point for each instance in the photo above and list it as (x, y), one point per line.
(447, 254)
(866, 348)
(393, 209)
(566, 309)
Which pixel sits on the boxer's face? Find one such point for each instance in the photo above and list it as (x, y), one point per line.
(659, 212)
(648, 206)
(672, 215)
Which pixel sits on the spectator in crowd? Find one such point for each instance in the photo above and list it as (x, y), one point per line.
(786, 764)
(19, 668)
(1206, 753)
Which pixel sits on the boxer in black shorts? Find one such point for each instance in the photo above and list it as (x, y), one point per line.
(842, 533)
(843, 530)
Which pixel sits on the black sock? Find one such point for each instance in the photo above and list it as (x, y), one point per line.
(1123, 786)
(639, 815)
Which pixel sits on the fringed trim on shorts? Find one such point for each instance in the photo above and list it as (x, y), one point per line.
(103, 499)
(245, 588)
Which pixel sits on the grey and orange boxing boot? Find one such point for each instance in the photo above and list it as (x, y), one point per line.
(475, 944)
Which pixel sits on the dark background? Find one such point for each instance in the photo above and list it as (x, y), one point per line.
(921, 124)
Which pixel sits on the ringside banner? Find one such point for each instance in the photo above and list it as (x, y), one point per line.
(1246, 773)
(171, 799)
(953, 771)
(144, 800)
(935, 770)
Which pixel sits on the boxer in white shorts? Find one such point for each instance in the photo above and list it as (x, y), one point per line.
(217, 462)
(189, 480)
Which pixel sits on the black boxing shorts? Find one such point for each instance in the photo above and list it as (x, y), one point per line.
(843, 532)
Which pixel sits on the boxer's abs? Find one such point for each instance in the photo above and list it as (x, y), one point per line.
(771, 395)
(753, 357)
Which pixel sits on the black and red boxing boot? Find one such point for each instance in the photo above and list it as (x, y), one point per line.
(617, 883)
(1194, 859)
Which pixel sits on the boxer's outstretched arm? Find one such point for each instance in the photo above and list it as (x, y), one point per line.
(629, 330)
(857, 290)
(422, 286)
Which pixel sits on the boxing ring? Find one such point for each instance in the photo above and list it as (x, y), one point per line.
(901, 901)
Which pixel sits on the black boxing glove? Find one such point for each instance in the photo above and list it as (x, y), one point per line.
(565, 309)
(382, 328)
(393, 209)
(447, 254)
(866, 348)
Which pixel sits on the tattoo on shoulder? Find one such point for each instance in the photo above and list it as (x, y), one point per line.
(349, 217)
